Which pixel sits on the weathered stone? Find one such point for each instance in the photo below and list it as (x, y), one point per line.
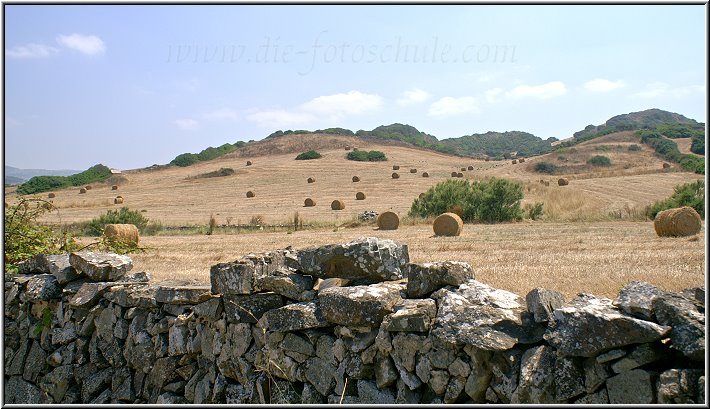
(321, 375)
(17, 365)
(536, 382)
(310, 396)
(610, 355)
(168, 398)
(209, 310)
(385, 372)
(459, 368)
(177, 340)
(636, 298)
(291, 285)
(104, 323)
(162, 372)
(363, 305)
(455, 389)
(35, 363)
(568, 378)
(250, 308)
(635, 386)
(589, 326)
(425, 278)
(438, 381)
(88, 295)
(96, 383)
(42, 287)
(411, 316)
(679, 386)
(356, 369)
(182, 295)
(101, 266)
(57, 382)
(363, 340)
(505, 367)
(640, 355)
(64, 335)
(369, 259)
(688, 324)
(701, 390)
(132, 295)
(294, 317)
(480, 373)
(239, 394)
(595, 374)
(369, 393)
(19, 391)
(122, 385)
(297, 347)
(405, 349)
(55, 264)
(600, 397)
(243, 276)
(139, 352)
(542, 302)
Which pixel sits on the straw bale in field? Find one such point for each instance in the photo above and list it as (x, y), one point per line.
(515, 161)
(118, 200)
(88, 187)
(425, 174)
(127, 233)
(388, 221)
(337, 205)
(454, 174)
(395, 167)
(395, 175)
(248, 163)
(522, 160)
(360, 196)
(51, 195)
(311, 180)
(347, 147)
(470, 168)
(677, 222)
(114, 187)
(463, 169)
(309, 202)
(356, 179)
(250, 194)
(666, 165)
(82, 190)
(562, 182)
(459, 175)
(412, 170)
(448, 224)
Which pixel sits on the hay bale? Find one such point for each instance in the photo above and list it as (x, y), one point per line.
(127, 233)
(388, 221)
(248, 163)
(337, 205)
(88, 187)
(250, 194)
(514, 161)
(114, 187)
(455, 209)
(522, 160)
(488, 159)
(425, 174)
(459, 175)
(666, 165)
(678, 222)
(562, 182)
(311, 180)
(347, 147)
(395, 175)
(359, 196)
(448, 224)
(356, 179)
(395, 167)
(51, 195)
(309, 202)
(118, 200)
(454, 174)
(82, 190)
(463, 169)
(470, 168)
(412, 170)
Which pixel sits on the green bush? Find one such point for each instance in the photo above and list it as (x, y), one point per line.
(668, 150)
(124, 216)
(217, 173)
(39, 184)
(365, 156)
(185, 159)
(545, 167)
(602, 148)
(634, 148)
(493, 200)
(689, 194)
(308, 155)
(534, 211)
(697, 144)
(599, 160)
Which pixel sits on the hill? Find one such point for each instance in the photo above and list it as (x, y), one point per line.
(499, 144)
(21, 175)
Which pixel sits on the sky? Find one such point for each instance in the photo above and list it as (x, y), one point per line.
(130, 86)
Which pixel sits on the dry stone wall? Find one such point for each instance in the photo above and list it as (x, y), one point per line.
(344, 323)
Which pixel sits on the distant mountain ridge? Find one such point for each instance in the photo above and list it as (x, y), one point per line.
(647, 119)
(15, 175)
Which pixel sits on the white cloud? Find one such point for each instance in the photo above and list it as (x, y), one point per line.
(85, 44)
(544, 91)
(279, 118)
(31, 50)
(654, 89)
(413, 96)
(221, 114)
(602, 85)
(337, 106)
(494, 95)
(187, 124)
(450, 106)
(662, 89)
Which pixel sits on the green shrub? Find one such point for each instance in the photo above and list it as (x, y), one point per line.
(185, 159)
(217, 173)
(697, 144)
(494, 200)
(545, 167)
(599, 160)
(365, 156)
(308, 155)
(689, 194)
(124, 216)
(534, 211)
(634, 148)
(39, 184)
(602, 148)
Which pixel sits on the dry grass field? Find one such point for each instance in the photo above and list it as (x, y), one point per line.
(592, 238)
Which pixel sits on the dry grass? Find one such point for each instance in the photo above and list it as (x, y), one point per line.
(597, 258)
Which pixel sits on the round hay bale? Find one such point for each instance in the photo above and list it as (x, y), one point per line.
(88, 187)
(395, 167)
(395, 175)
(412, 170)
(448, 224)
(488, 159)
(456, 209)
(311, 180)
(547, 183)
(470, 168)
(51, 195)
(459, 175)
(454, 174)
(522, 160)
(248, 163)
(666, 165)
(562, 182)
(359, 196)
(82, 190)
(515, 161)
(678, 222)
(309, 202)
(388, 221)
(425, 174)
(337, 205)
(356, 179)
(118, 200)
(463, 169)
(127, 233)
(347, 147)
(114, 187)
(250, 194)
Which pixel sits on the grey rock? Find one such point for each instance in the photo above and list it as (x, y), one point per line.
(321, 375)
(641, 355)
(101, 266)
(139, 352)
(459, 368)
(58, 381)
(635, 386)
(536, 382)
(55, 264)
(423, 368)
(568, 378)
(250, 308)
(294, 317)
(480, 374)
(96, 383)
(610, 355)
(237, 394)
(411, 316)
(505, 367)
(405, 350)
(297, 347)
(636, 298)
(425, 278)
(88, 295)
(209, 310)
(137, 277)
(42, 287)
(232, 278)
(362, 340)
(601, 397)
(162, 372)
(17, 365)
(35, 363)
(356, 369)
(438, 381)
(701, 390)
(595, 374)
(364, 305)
(407, 396)
(590, 326)
(455, 389)
(182, 295)
(310, 396)
(542, 302)
(369, 258)
(679, 386)
(168, 398)
(291, 285)
(324, 349)
(177, 340)
(369, 393)
(19, 391)
(688, 324)
(104, 397)
(64, 335)
(283, 393)
(385, 372)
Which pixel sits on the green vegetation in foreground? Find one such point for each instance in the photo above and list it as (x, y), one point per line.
(123, 216)
(39, 184)
(689, 194)
(309, 155)
(366, 156)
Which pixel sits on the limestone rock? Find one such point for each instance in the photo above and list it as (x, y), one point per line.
(101, 266)
(250, 308)
(568, 378)
(411, 316)
(369, 393)
(363, 305)
(321, 375)
(542, 302)
(294, 317)
(19, 391)
(635, 386)
(182, 295)
(688, 324)
(636, 298)
(641, 355)
(425, 278)
(536, 382)
(42, 287)
(679, 386)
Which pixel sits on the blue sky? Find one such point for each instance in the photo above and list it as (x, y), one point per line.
(133, 85)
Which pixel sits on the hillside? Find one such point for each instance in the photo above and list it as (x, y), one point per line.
(18, 175)
(499, 144)
(648, 119)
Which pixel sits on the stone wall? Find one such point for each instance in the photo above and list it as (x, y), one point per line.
(350, 323)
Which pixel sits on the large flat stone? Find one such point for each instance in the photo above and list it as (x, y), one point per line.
(362, 305)
(101, 266)
(182, 295)
(425, 278)
(294, 317)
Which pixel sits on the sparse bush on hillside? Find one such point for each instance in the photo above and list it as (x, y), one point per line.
(602, 148)
(38, 184)
(366, 156)
(309, 155)
(668, 150)
(689, 194)
(493, 200)
(697, 145)
(187, 159)
(124, 216)
(545, 167)
(217, 173)
(634, 148)
(599, 160)
(534, 211)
